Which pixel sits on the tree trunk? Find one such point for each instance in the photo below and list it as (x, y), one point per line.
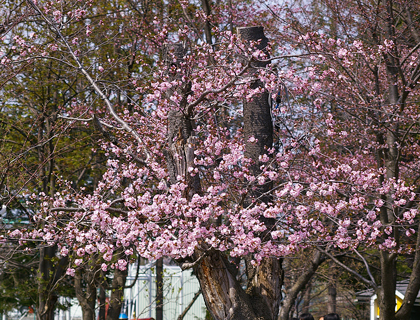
(102, 302)
(307, 297)
(48, 276)
(386, 292)
(266, 279)
(88, 314)
(332, 298)
(117, 292)
(224, 297)
(207, 26)
(159, 289)
(85, 287)
(223, 294)
(332, 289)
(47, 300)
(300, 283)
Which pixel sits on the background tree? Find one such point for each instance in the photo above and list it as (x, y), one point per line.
(371, 50)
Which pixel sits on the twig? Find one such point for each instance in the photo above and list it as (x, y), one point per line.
(196, 295)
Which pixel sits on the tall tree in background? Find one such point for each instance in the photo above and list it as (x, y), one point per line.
(364, 77)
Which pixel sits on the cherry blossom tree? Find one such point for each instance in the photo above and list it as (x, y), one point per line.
(30, 47)
(38, 147)
(228, 152)
(363, 72)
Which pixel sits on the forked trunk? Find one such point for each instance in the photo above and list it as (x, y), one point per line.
(289, 300)
(49, 273)
(117, 292)
(85, 287)
(224, 297)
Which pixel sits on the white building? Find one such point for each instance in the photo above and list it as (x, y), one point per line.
(139, 300)
(369, 297)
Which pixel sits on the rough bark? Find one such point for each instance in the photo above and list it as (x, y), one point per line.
(224, 297)
(332, 289)
(159, 289)
(332, 298)
(265, 292)
(386, 294)
(180, 153)
(85, 287)
(49, 274)
(307, 297)
(115, 301)
(265, 289)
(102, 302)
(257, 112)
(207, 27)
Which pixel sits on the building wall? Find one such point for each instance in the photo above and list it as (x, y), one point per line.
(139, 301)
(179, 289)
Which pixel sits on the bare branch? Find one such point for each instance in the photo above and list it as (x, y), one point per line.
(93, 83)
(189, 265)
(366, 265)
(348, 269)
(196, 295)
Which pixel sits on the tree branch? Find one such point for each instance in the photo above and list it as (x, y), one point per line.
(348, 269)
(93, 83)
(183, 314)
